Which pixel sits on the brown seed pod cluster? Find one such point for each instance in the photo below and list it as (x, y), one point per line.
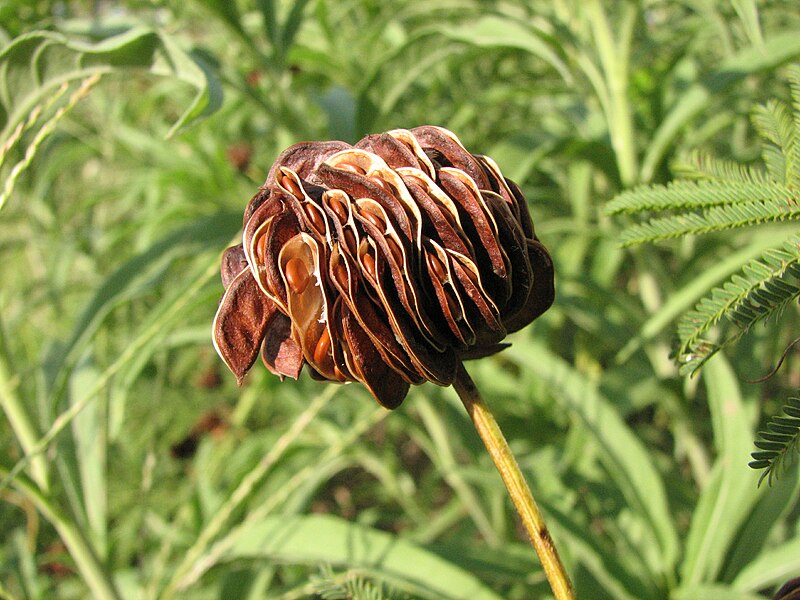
(386, 263)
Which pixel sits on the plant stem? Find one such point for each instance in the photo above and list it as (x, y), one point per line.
(333, 452)
(21, 423)
(518, 489)
(244, 490)
(94, 574)
(613, 48)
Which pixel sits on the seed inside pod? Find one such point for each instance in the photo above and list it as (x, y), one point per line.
(316, 218)
(291, 185)
(261, 245)
(453, 304)
(350, 240)
(385, 186)
(396, 250)
(369, 264)
(339, 209)
(436, 265)
(323, 347)
(337, 372)
(374, 219)
(344, 166)
(340, 272)
(297, 276)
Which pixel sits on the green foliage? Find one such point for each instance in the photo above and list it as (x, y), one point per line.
(351, 587)
(132, 466)
(727, 196)
(37, 69)
(779, 444)
(720, 196)
(764, 288)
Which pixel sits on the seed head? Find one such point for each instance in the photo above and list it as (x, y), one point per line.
(387, 263)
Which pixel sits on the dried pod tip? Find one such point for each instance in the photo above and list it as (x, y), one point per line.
(789, 590)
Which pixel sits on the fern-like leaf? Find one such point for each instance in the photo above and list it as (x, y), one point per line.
(793, 171)
(763, 288)
(775, 126)
(351, 586)
(779, 444)
(718, 195)
(681, 195)
(717, 218)
(702, 167)
(715, 195)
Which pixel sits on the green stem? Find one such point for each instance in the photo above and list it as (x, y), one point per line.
(515, 483)
(19, 419)
(331, 454)
(244, 490)
(615, 61)
(187, 294)
(89, 566)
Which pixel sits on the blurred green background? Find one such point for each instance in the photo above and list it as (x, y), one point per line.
(132, 135)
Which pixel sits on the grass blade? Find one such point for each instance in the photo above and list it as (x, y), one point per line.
(732, 492)
(37, 63)
(772, 567)
(326, 539)
(780, 48)
(623, 455)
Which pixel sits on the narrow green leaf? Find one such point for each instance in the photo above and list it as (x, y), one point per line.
(747, 10)
(773, 567)
(24, 566)
(165, 313)
(292, 25)
(777, 50)
(685, 297)
(94, 575)
(34, 65)
(226, 10)
(756, 532)
(494, 31)
(269, 12)
(623, 455)
(731, 493)
(712, 592)
(519, 153)
(139, 274)
(89, 435)
(326, 539)
(620, 582)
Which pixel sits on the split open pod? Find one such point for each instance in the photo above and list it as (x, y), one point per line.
(387, 263)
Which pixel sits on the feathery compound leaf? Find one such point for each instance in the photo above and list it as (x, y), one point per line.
(696, 194)
(779, 444)
(785, 206)
(351, 586)
(764, 287)
(717, 195)
(700, 166)
(774, 124)
(793, 170)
